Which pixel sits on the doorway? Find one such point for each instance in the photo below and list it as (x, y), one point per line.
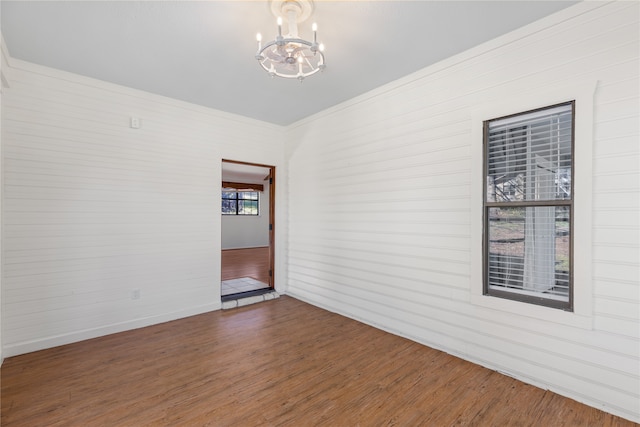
(247, 234)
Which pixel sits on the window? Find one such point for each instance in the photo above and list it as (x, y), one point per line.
(528, 206)
(240, 203)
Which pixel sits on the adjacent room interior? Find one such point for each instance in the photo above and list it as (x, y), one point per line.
(435, 202)
(247, 229)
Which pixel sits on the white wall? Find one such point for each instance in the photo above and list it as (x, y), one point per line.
(389, 235)
(245, 231)
(1, 352)
(3, 85)
(94, 209)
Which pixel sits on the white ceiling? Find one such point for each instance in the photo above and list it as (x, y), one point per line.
(203, 51)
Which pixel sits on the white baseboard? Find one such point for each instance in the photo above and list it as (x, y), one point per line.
(49, 342)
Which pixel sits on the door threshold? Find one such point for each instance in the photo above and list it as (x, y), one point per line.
(247, 298)
(250, 293)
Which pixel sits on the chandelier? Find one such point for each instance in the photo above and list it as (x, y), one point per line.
(290, 56)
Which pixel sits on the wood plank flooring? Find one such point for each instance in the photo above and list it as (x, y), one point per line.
(250, 262)
(277, 363)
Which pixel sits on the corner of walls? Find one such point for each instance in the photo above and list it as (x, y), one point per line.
(5, 63)
(397, 255)
(4, 83)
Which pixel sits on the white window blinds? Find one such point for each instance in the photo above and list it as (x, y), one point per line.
(528, 190)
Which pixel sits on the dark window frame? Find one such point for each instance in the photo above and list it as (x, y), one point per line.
(487, 205)
(238, 201)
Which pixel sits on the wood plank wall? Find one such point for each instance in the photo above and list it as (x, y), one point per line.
(95, 209)
(379, 206)
(380, 194)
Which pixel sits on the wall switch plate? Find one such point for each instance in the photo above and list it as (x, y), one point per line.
(134, 123)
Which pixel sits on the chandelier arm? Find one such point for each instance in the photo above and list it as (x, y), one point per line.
(308, 63)
(265, 47)
(286, 41)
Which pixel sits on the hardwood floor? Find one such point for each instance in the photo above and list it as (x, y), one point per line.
(250, 262)
(280, 362)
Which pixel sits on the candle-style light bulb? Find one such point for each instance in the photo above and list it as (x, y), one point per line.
(279, 25)
(259, 39)
(321, 47)
(314, 28)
